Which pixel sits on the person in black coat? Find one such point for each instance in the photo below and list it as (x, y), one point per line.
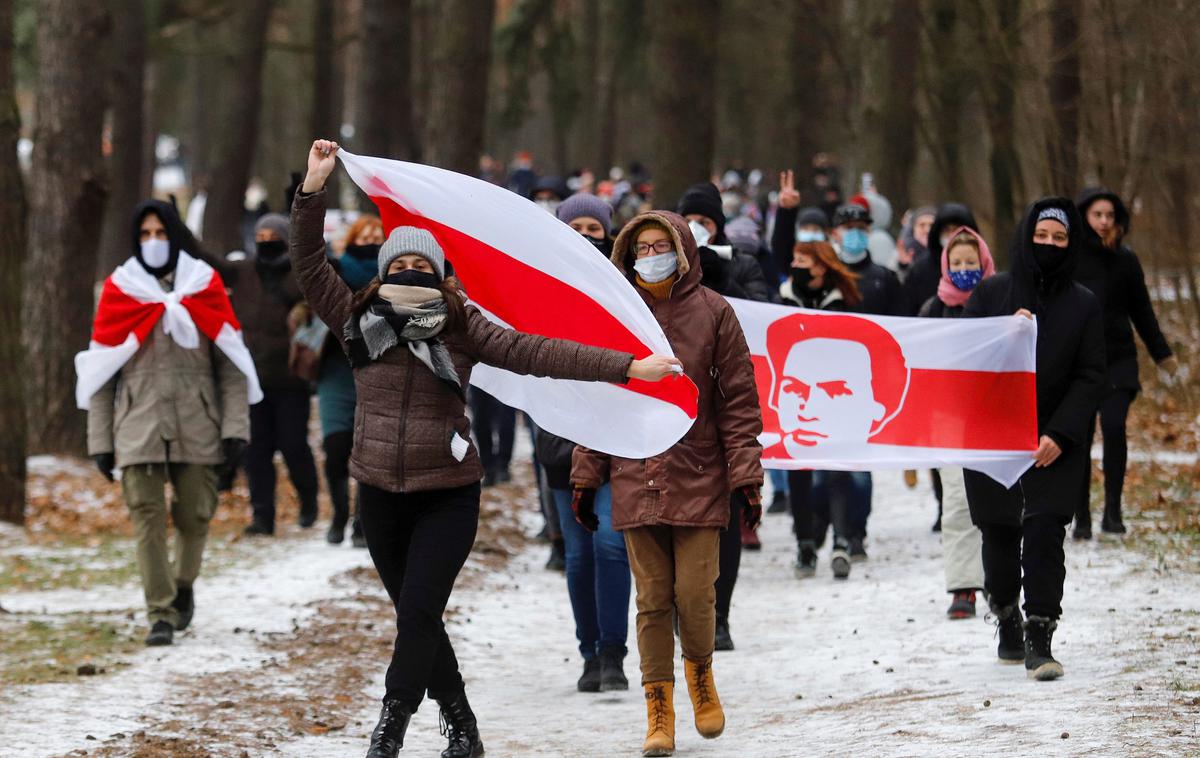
(725, 269)
(1112, 272)
(925, 272)
(1024, 527)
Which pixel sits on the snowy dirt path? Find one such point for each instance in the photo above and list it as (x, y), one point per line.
(869, 666)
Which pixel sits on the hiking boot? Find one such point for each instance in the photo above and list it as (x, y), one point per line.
(806, 562)
(1083, 529)
(1039, 661)
(660, 719)
(460, 727)
(858, 553)
(357, 538)
(258, 529)
(558, 556)
(962, 606)
(722, 640)
(1011, 632)
(185, 604)
(339, 495)
(590, 680)
(612, 671)
(388, 737)
(709, 717)
(839, 561)
(503, 476)
(750, 539)
(910, 478)
(308, 514)
(779, 503)
(1111, 523)
(161, 633)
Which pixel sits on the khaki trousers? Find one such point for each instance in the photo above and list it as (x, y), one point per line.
(194, 502)
(674, 568)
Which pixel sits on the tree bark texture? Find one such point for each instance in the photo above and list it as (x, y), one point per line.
(458, 103)
(1066, 89)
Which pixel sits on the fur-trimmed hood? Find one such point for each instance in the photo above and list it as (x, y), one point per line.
(623, 256)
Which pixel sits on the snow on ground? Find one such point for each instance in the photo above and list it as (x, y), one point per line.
(869, 666)
(51, 719)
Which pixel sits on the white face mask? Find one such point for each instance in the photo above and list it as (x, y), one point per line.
(699, 232)
(656, 268)
(550, 206)
(156, 253)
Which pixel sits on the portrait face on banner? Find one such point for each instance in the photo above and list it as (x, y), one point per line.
(836, 380)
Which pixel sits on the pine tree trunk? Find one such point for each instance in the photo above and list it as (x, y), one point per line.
(385, 100)
(66, 209)
(1000, 42)
(948, 88)
(898, 127)
(239, 70)
(1066, 88)
(325, 121)
(127, 100)
(458, 99)
(683, 82)
(12, 255)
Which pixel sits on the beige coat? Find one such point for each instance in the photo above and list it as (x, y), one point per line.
(170, 404)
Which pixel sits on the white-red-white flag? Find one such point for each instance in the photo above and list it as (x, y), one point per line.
(852, 392)
(525, 269)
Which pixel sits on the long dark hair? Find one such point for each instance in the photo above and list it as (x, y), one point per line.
(836, 272)
(456, 309)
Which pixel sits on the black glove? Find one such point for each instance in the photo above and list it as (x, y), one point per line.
(234, 450)
(584, 506)
(751, 506)
(106, 462)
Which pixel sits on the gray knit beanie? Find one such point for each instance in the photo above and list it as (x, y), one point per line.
(276, 222)
(583, 204)
(411, 240)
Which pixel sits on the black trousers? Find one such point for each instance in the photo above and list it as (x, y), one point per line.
(495, 427)
(338, 447)
(419, 542)
(1028, 556)
(1113, 411)
(280, 422)
(729, 557)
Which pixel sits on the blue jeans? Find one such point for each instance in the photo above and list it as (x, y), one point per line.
(779, 481)
(843, 499)
(598, 577)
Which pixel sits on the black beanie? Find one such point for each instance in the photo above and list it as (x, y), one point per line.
(815, 216)
(705, 200)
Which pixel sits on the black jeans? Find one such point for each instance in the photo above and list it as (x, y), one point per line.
(1114, 410)
(419, 542)
(1028, 556)
(730, 557)
(495, 426)
(280, 422)
(338, 447)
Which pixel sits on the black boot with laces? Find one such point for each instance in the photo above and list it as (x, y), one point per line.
(1039, 661)
(388, 737)
(460, 727)
(1011, 632)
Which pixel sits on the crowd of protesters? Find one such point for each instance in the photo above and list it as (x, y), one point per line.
(374, 324)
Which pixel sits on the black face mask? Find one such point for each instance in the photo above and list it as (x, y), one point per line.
(603, 244)
(271, 249)
(1048, 257)
(413, 278)
(363, 252)
(801, 278)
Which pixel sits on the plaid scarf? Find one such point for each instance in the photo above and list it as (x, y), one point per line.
(414, 316)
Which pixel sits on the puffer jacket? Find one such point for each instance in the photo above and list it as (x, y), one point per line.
(170, 404)
(690, 484)
(406, 418)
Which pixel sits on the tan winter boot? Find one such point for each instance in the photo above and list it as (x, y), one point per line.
(710, 719)
(660, 719)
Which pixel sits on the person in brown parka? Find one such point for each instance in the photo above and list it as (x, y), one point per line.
(672, 507)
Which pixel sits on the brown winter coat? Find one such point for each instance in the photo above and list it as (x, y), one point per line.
(170, 404)
(406, 417)
(690, 484)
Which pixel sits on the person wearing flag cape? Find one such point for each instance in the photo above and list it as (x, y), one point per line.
(167, 383)
(412, 340)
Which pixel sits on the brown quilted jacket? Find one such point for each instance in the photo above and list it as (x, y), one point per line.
(406, 417)
(690, 484)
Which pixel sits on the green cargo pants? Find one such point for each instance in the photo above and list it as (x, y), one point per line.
(193, 505)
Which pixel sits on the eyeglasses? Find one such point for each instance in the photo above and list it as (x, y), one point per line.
(660, 247)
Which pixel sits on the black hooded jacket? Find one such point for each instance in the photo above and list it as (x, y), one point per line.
(882, 294)
(177, 234)
(926, 269)
(1070, 372)
(1117, 280)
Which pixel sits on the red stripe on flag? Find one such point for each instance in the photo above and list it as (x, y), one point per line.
(959, 410)
(532, 301)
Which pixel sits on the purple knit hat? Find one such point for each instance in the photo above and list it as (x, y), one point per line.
(583, 204)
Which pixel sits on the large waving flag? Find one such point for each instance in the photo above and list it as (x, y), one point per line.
(132, 302)
(525, 269)
(844, 391)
